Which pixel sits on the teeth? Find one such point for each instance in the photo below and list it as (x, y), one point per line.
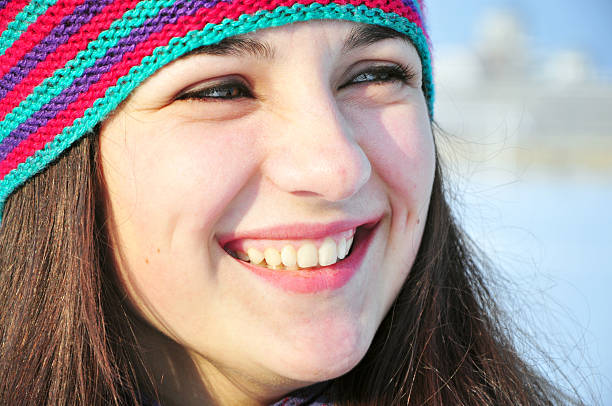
(342, 248)
(255, 256)
(242, 256)
(328, 253)
(272, 257)
(289, 256)
(307, 256)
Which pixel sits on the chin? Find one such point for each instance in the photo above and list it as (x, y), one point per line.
(335, 349)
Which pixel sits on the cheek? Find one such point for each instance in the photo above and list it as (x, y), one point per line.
(180, 175)
(400, 146)
(209, 171)
(168, 187)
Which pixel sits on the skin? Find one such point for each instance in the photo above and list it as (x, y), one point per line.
(310, 144)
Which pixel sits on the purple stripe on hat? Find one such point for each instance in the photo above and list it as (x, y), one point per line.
(413, 7)
(60, 34)
(3, 4)
(92, 74)
(61, 101)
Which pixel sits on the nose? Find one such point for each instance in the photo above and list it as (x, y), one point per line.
(315, 150)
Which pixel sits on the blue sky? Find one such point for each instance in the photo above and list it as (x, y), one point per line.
(551, 24)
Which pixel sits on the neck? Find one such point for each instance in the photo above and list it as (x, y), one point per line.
(187, 379)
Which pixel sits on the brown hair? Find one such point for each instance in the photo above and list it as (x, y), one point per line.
(68, 337)
(66, 333)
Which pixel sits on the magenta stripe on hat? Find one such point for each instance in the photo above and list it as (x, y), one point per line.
(60, 34)
(92, 74)
(10, 10)
(64, 53)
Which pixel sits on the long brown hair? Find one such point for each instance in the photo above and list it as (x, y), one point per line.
(67, 330)
(66, 336)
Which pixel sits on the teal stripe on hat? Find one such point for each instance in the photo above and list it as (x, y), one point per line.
(22, 21)
(63, 78)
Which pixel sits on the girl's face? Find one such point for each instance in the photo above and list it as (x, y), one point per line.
(304, 136)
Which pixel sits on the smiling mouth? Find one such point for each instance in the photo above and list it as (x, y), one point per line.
(306, 254)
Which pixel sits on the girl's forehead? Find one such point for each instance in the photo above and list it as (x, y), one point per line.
(339, 37)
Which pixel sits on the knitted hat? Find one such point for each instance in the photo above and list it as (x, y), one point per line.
(66, 64)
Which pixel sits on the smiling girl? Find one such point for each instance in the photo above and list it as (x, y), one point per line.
(233, 203)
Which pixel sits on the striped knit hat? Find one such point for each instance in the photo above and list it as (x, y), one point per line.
(66, 64)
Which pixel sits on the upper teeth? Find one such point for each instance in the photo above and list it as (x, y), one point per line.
(306, 255)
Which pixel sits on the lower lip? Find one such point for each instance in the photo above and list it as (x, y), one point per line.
(319, 279)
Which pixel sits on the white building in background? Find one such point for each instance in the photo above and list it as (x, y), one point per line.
(508, 101)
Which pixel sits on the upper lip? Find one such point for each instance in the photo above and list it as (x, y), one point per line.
(298, 231)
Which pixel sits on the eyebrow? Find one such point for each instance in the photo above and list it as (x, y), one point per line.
(243, 46)
(365, 35)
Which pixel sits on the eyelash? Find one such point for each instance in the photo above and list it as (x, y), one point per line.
(386, 73)
(383, 74)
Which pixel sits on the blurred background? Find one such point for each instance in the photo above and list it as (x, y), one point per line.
(524, 93)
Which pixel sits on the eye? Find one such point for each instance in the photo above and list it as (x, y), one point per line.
(384, 74)
(230, 90)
